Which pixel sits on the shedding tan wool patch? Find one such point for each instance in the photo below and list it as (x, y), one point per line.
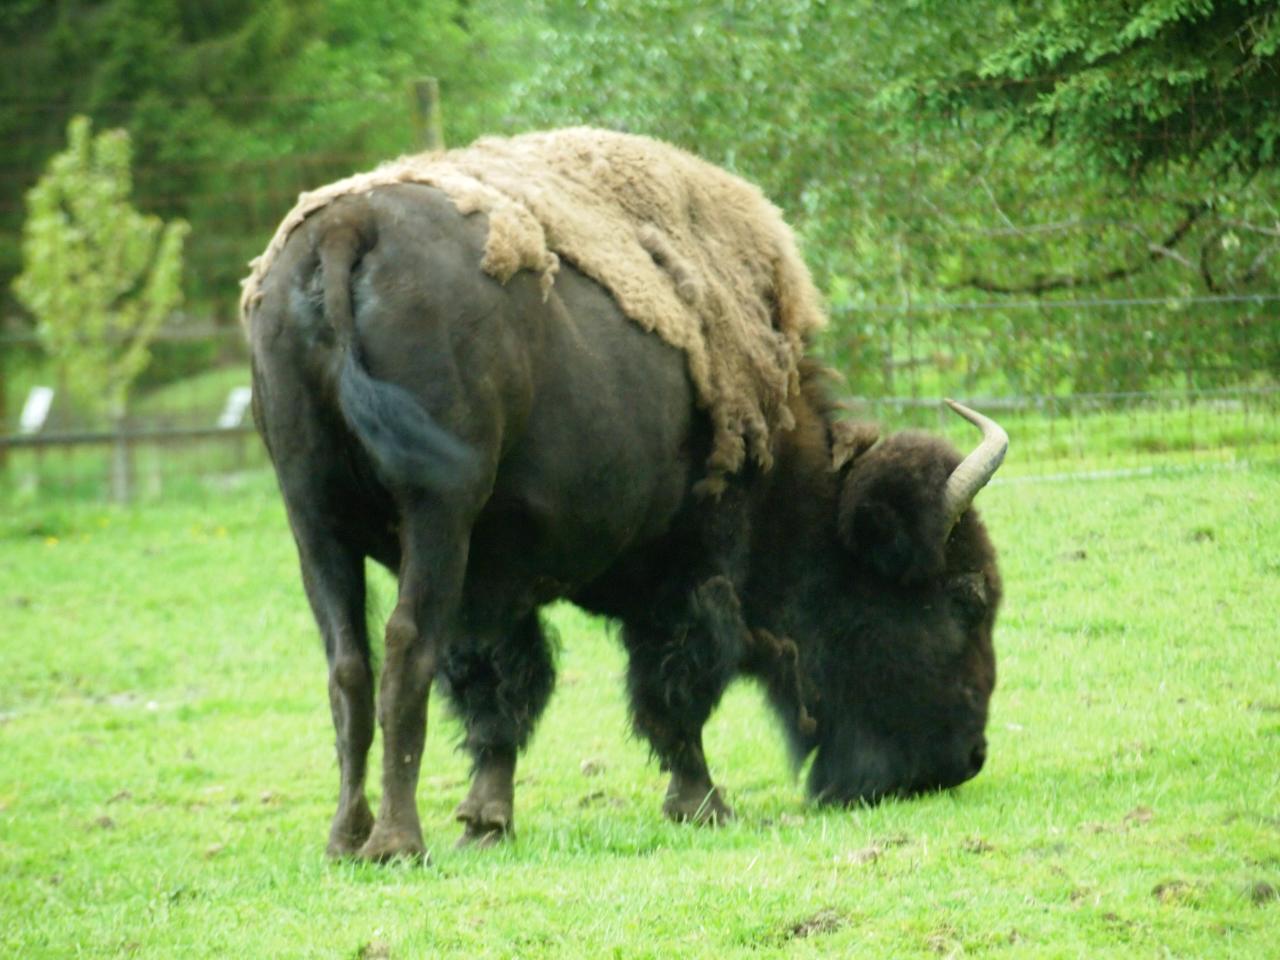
(689, 252)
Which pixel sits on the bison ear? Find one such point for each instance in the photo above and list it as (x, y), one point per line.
(882, 538)
(850, 440)
(890, 516)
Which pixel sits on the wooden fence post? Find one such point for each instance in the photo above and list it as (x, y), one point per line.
(4, 413)
(428, 122)
(121, 476)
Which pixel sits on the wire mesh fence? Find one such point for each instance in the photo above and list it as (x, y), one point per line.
(1088, 384)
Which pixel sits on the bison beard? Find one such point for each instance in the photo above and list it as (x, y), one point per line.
(498, 450)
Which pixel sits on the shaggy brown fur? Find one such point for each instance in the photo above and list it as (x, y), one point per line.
(690, 252)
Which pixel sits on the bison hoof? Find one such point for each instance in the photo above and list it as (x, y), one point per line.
(351, 828)
(703, 807)
(386, 844)
(486, 824)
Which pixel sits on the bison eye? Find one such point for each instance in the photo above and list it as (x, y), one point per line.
(968, 593)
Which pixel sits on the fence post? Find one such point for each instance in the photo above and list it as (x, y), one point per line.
(121, 457)
(427, 120)
(4, 418)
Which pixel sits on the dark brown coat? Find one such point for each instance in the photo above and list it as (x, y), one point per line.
(498, 450)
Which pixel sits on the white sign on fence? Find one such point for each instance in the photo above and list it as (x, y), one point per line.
(36, 410)
(237, 403)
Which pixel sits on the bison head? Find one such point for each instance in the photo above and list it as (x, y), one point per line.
(904, 677)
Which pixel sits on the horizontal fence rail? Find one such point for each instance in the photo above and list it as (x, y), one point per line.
(135, 436)
(188, 434)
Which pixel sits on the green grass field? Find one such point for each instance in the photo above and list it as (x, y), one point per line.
(167, 773)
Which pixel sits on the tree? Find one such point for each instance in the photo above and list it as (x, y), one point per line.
(1128, 87)
(99, 276)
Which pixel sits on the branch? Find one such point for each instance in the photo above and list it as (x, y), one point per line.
(1041, 285)
(1258, 261)
(986, 188)
(1173, 255)
(1207, 250)
(1251, 227)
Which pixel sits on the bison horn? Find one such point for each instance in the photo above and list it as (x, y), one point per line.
(973, 473)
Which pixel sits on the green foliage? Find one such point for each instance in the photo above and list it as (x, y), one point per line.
(782, 93)
(1128, 87)
(1099, 179)
(1131, 168)
(233, 108)
(913, 206)
(99, 276)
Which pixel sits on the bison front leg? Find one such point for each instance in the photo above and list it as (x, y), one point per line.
(499, 689)
(487, 813)
(433, 560)
(677, 671)
(677, 740)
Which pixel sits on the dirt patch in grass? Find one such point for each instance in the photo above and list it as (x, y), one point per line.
(601, 798)
(824, 921)
(977, 845)
(1175, 893)
(1262, 893)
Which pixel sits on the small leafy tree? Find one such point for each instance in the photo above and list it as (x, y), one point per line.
(99, 276)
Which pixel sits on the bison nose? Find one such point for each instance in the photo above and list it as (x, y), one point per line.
(977, 757)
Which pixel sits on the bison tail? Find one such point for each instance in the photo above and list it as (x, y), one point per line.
(407, 446)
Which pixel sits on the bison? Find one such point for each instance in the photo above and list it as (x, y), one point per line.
(499, 446)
